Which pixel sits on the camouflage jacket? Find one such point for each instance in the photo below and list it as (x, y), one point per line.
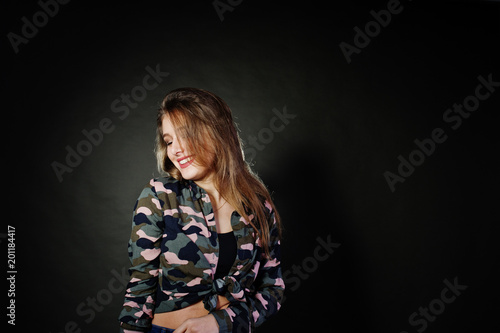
(174, 252)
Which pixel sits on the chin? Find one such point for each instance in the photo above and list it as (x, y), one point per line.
(193, 174)
(190, 174)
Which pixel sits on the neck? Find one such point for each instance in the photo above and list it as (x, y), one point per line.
(208, 185)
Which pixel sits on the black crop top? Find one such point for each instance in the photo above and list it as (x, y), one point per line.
(227, 254)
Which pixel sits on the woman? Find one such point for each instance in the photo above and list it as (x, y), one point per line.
(204, 246)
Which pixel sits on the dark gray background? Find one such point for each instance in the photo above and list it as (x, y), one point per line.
(325, 168)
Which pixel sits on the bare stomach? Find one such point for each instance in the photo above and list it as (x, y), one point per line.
(174, 319)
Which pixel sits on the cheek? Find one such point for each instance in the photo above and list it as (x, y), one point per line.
(170, 155)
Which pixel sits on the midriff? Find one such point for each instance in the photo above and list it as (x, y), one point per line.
(175, 318)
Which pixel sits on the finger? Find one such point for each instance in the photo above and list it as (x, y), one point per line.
(180, 329)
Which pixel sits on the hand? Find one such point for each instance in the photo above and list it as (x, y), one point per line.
(205, 324)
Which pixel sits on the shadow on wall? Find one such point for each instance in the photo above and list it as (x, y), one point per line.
(317, 258)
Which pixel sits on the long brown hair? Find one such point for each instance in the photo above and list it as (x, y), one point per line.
(206, 125)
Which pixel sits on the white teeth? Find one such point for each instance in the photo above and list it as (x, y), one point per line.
(184, 161)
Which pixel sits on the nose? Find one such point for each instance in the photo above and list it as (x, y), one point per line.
(176, 147)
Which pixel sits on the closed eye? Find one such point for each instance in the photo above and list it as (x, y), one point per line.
(166, 138)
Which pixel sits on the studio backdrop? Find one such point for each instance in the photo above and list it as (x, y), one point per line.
(374, 126)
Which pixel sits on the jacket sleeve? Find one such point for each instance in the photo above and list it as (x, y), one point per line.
(144, 251)
(265, 301)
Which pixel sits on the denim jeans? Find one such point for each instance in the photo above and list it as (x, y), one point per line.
(160, 329)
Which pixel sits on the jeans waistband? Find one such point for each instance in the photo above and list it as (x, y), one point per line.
(160, 329)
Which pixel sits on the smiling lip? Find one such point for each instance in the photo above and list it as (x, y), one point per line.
(185, 161)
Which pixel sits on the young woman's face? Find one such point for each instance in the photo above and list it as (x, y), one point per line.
(179, 156)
